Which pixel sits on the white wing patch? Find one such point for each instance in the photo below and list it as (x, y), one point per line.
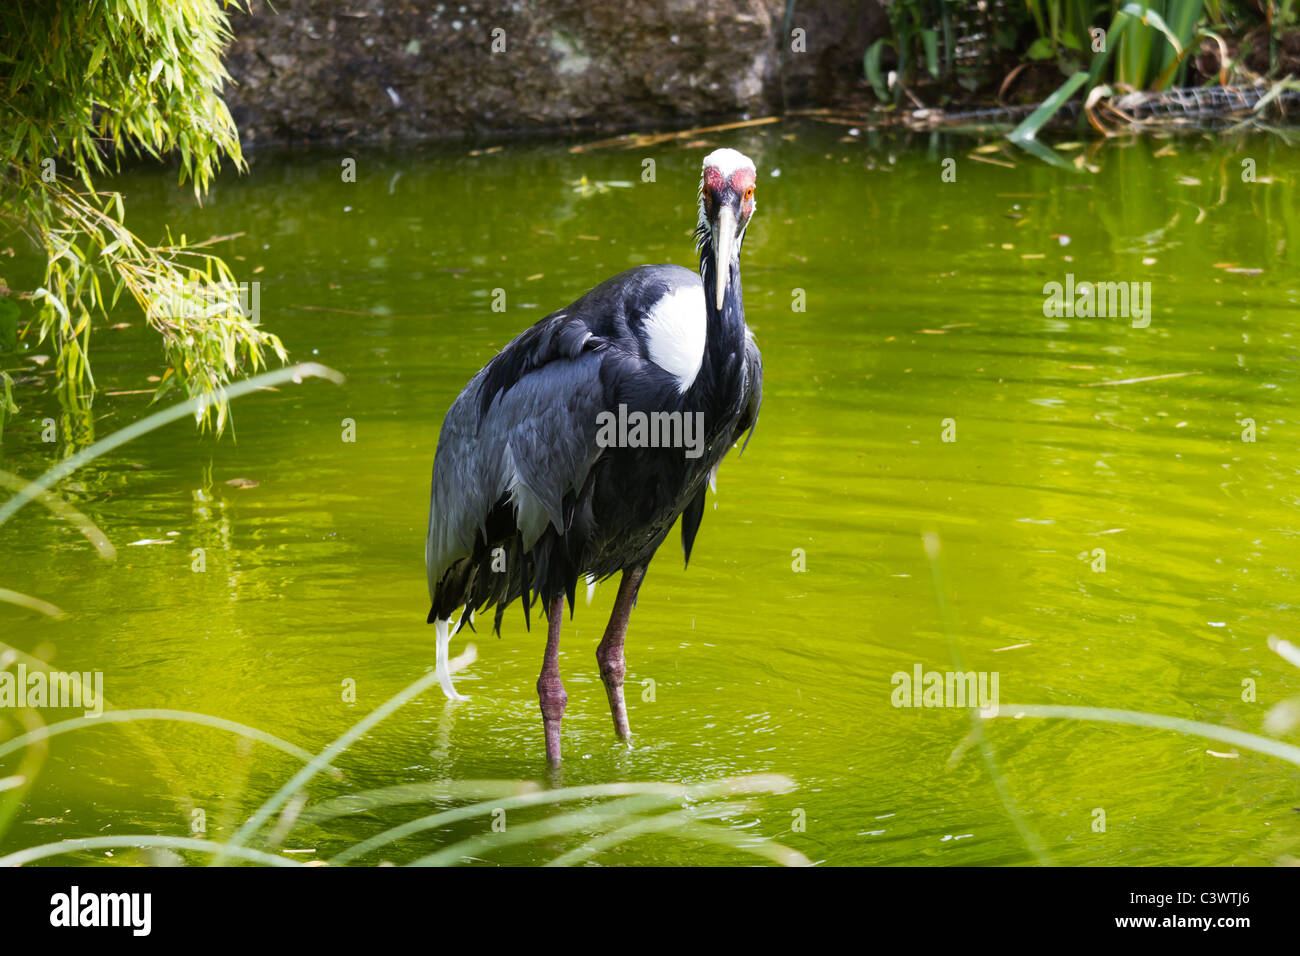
(674, 330)
(530, 515)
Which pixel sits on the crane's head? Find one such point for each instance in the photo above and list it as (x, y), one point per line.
(726, 203)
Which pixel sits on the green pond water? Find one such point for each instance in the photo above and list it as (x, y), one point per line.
(924, 320)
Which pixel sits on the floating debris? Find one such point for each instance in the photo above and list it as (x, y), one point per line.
(1134, 381)
(585, 187)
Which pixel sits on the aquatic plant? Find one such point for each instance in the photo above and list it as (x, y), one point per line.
(1115, 46)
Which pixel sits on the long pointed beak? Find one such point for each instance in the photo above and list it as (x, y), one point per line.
(723, 239)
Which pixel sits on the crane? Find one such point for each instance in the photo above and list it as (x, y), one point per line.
(575, 450)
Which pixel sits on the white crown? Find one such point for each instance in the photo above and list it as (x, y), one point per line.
(727, 161)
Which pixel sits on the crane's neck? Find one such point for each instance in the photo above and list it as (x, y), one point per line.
(725, 327)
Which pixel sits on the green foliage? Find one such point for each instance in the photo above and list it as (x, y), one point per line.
(1149, 53)
(1151, 41)
(1063, 28)
(82, 84)
(916, 26)
(9, 313)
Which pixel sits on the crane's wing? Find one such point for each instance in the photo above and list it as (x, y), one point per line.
(753, 399)
(523, 428)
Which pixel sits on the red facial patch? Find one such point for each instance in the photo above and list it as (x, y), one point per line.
(712, 179)
(741, 180)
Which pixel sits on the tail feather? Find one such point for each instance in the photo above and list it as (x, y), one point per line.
(442, 628)
(691, 519)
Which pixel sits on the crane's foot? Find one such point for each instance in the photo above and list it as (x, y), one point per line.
(609, 655)
(554, 701)
(612, 671)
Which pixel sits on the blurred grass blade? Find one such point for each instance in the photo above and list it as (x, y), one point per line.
(136, 842)
(130, 716)
(25, 774)
(1028, 129)
(933, 550)
(607, 841)
(681, 823)
(1276, 90)
(31, 603)
(613, 810)
(634, 799)
(167, 772)
(1284, 649)
(340, 744)
(1166, 77)
(610, 814)
(1137, 718)
(405, 793)
(777, 853)
(654, 793)
(61, 509)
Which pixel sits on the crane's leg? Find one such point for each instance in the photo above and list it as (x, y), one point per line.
(609, 655)
(550, 690)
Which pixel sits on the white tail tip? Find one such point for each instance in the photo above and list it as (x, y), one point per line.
(442, 668)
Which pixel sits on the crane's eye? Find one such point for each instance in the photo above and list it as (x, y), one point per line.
(749, 194)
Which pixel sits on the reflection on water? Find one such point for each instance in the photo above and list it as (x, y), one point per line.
(1075, 445)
